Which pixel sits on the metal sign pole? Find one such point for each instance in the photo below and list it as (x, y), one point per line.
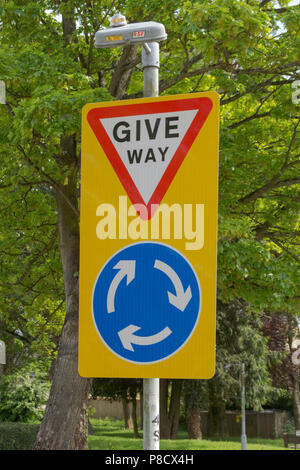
(2, 356)
(147, 35)
(151, 414)
(150, 64)
(243, 437)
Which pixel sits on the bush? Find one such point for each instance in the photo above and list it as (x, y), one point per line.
(23, 395)
(17, 436)
(289, 426)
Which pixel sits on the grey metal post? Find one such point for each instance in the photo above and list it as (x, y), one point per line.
(243, 430)
(120, 34)
(150, 64)
(151, 414)
(2, 357)
(243, 436)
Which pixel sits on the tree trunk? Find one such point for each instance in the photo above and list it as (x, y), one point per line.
(174, 413)
(169, 416)
(296, 402)
(194, 423)
(82, 431)
(134, 418)
(126, 414)
(64, 420)
(216, 412)
(123, 71)
(163, 411)
(293, 333)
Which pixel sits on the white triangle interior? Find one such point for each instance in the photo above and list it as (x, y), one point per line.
(147, 143)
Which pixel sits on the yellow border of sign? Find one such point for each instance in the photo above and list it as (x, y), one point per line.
(196, 182)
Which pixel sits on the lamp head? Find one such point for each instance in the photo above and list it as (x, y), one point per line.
(120, 33)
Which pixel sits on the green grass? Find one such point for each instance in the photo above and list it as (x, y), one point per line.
(111, 435)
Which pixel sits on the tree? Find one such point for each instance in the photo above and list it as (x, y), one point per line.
(282, 330)
(239, 340)
(44, 151)
(32, 291)
(53, 69)
(194, 393)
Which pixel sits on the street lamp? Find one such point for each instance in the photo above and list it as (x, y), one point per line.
(120, 33)
(243, 435)
(148, 35)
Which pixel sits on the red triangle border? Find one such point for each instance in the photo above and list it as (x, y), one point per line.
(204, 106)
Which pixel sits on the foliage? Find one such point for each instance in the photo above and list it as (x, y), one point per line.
(282, 400)
(195, 395)
(225, 46)
(23, 395)
(289, 426)
(239, 339)
(282, 330)
(242, 343)
(17, 436)
(246, 50)
(116, 389)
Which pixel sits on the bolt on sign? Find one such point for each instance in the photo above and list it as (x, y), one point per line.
(149, 237)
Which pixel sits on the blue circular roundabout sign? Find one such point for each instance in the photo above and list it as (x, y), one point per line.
(146, 302)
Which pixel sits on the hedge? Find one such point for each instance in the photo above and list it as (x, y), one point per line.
(17, 436)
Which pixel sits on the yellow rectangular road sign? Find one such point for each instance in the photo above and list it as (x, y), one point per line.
(149, 237)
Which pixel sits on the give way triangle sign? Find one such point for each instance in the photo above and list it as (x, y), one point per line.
(147, 142)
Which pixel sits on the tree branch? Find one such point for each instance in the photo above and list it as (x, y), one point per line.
(46, 248)
(122, 74)
(249, 118)
(15, 335)
(272, 184)
(276, 181)
(263, 3)
(55, 184)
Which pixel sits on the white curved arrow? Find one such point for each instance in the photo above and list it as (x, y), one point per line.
(128, 338)
(182, 298)
(126, 268)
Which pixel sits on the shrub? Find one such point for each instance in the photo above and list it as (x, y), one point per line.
(23, 395)
(17, 436)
